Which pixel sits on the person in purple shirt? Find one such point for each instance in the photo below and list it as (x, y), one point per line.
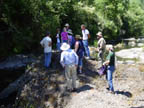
(64, 36)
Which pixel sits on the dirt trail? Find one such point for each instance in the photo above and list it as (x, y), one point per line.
(47, 88)
(129, 88)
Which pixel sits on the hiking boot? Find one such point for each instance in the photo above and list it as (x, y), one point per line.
(74, 90)
(112, 92)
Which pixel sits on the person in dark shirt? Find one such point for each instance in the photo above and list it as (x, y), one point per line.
(79, 49)
(110, 62)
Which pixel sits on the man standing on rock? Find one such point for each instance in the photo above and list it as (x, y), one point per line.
(86, 36)
(46, 42)
(69, 60)
(101, 48)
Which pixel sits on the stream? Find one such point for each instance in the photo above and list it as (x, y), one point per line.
(7, 77)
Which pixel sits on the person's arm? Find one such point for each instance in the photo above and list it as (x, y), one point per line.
(76, 46)
(61, 38)
(42, 42)
(62, 60)
(77, 59)
(108, 60)
(101, 44)
(50, 43)
(88, 34)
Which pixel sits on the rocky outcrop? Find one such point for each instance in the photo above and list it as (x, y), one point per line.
(16, 62)
(133, 54)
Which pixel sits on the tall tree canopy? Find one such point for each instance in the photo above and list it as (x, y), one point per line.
(24, 22)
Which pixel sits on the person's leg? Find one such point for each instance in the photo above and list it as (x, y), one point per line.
(49, 58)
(68, 77)
(109, 77)
(80, 64)
(58, 46)
(85, 43)
(74, 77)
(100, 59)
(65, 41)
(46, 60)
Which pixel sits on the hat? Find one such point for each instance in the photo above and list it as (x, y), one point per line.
(78, 37)
(70, 32)
(66, 24)
(99, 34)
(65, 46)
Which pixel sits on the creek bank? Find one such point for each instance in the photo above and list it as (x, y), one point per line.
(12, 76)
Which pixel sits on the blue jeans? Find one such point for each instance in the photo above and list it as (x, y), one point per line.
(110, 70)
(80, 62)
(85, 43)
(64, 41)
(58, 46)
(47, 59)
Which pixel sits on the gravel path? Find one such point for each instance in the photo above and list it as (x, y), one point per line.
(129, 87)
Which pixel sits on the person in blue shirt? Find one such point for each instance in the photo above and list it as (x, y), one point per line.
(69, 61)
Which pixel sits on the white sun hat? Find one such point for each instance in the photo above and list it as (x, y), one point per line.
(99, 34)
(65, 46)
(66, 24)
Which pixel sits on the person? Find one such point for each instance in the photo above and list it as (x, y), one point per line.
(79, 49)
(58, 39)
(69, 61)
(64, 35)
(46, 42)
(67, 27)
(110, 63)
(70, 38)
(101, 49)
(86, 36)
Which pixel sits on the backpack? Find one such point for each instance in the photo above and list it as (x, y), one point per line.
(102, 70)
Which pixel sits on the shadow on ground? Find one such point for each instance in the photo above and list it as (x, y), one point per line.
(84, 88)
(127, 94)
(138, 107)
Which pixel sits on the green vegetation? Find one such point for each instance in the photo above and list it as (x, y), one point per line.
(24, 22)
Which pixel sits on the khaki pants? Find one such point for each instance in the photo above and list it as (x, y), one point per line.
(71, 76)
(100, 58)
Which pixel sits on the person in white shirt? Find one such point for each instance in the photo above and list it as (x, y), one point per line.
(69, 61)
(46, 42)
(85, 37)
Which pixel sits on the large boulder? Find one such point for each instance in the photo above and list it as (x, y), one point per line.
(136, 54)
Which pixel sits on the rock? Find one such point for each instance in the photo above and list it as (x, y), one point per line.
(140, 40)
(119, 46)
(131, 53)
(140, 44)
(132, 44)
(93, 52)
(16, 62)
